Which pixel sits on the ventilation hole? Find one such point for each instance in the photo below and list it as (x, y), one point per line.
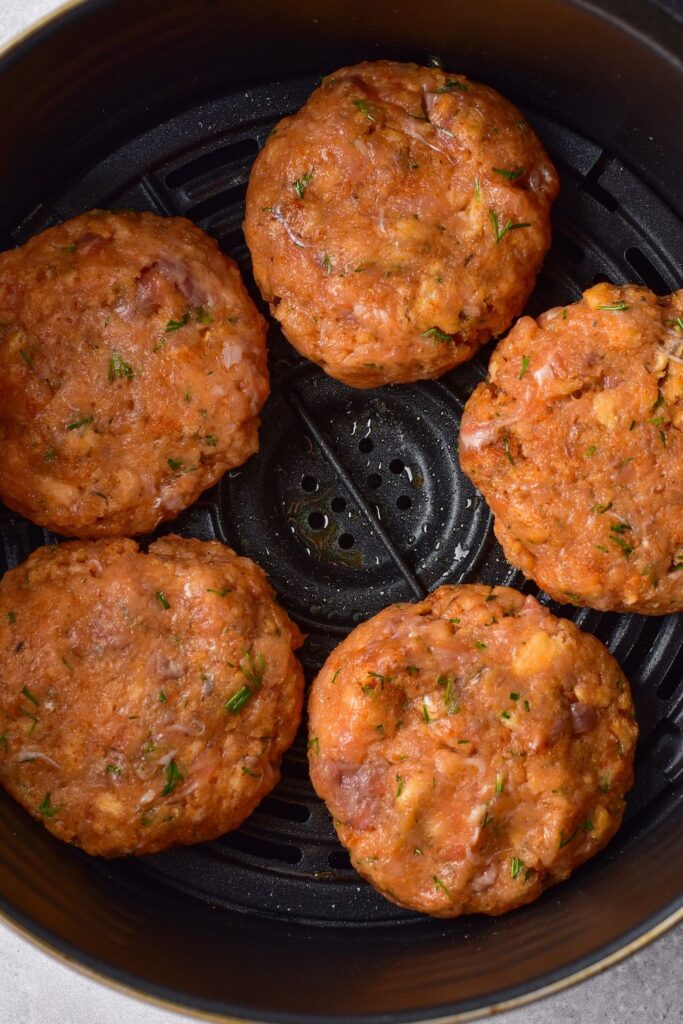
(345, 541)
(317, 520)
(337, 504)
(218, 203)
(262, 848)
(649, 274)
(232, 241)
(339, 859)
(374, 480)
(365, 445)
(309, 483)
(403, 502)
(396, 466)
(591, 183)
(283, 809)
(569, 248)
(236, 151)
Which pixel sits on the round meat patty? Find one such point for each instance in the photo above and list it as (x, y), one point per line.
(145, 699)
(576, 442)
(132, 371)
(473, 749)
(398, 221)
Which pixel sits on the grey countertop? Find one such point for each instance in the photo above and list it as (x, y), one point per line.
(39, 990)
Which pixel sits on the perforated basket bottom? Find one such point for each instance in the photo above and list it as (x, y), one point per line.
(356, 499)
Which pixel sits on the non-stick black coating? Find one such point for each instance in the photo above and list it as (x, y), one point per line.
(163, 106)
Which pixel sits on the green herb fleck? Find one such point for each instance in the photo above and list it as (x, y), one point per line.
(450, 701)
(527, 705)
(505, 714)
(314, 744)
(364, 107)
(510, 175)
(602, 508)
(113, 769)
(438, 884)
(301, 184)
(26, 357)
(616, 307)
(334, 677)
(82, 422)
(46, 808)
(425, 711)
(118, 367)
(235, 704)
(480, 645)
(605, 784)
(565, 842)
(173, 777)
(500, 782)
(175, 325)
(162, 696)
(163, 601)
(662, 438)
(506, 449)
(174, 464)
(477, 188)
(50, 455)
(412, 670)
(201, 315)
(588, 826)
(590, 451)
(11, 618)
(525, 366)
(400, 785)
(327, 263)
(452, 83)
(677, 324)
(248, 771)
(437, 334)
(515, 696)
(29, 696)
(516, 866)
(219, 593)
(500, 233)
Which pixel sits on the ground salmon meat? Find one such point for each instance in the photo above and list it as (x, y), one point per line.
(472, 749)
(145, 699)
(132, 371)
(576, 442)
(398, 221)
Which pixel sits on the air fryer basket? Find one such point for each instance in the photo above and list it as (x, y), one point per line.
(356, 499)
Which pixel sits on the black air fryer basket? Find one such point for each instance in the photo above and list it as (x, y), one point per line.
(356, 499)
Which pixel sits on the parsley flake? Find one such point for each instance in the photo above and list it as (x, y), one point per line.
(510, 175)
(500, 233)
(301, 184)
(616, 307)
(173, 777)
(82, 422)
(437, 334)
(525, 366)
(118, 368)
(162, 599)
(46, 808)
(516, 866)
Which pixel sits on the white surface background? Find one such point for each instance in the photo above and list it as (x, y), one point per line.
(36, 989)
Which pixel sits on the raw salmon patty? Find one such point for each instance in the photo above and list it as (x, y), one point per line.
(398, 221)
(576, 442)
(472, 749)
(145, 699)
(132, 372)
